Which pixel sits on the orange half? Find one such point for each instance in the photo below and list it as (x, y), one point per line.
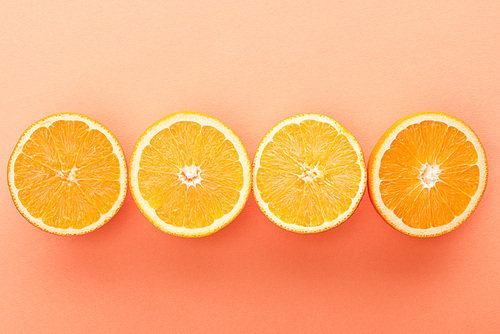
(309, 174)
(190, 174)
(427, 174)
(67, 174)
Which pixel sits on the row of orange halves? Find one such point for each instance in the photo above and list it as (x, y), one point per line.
(190, 174)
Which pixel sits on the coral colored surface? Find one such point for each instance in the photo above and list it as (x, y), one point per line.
(251, 64)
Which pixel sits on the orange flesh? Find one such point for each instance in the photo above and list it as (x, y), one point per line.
(429, 143)
(220, 175)
(308, 173)
(67, 175)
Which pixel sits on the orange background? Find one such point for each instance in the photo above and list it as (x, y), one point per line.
(250, 64)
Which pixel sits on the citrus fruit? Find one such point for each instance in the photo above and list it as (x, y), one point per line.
(67, 174)
(427, 174)
(309, 174)
(190, 174)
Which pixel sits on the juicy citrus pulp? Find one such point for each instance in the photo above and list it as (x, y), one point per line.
(190, 174)
(67, 174)
(427, 174)
(309, 173)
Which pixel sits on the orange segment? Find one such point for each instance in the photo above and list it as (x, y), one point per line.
(210, 141)
(42, 149)
(94, 147)
(36, 191)
(69, 208)
(216, 166)
(190, 174)
(67, 174)
(427, 174)
(155, 187)
(463, 177)
(101, 194)
(105, 168)
(210, 201)
(186, 138)
(309, 174)
(67, 138)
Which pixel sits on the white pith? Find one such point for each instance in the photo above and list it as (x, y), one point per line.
(429, 175)
(144, 141)
(69, 177)
(310, 173)
(190, 175)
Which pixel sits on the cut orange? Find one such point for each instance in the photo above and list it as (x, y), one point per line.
(427, 174)
(67, 174)
(190, 174)
(309, 174)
